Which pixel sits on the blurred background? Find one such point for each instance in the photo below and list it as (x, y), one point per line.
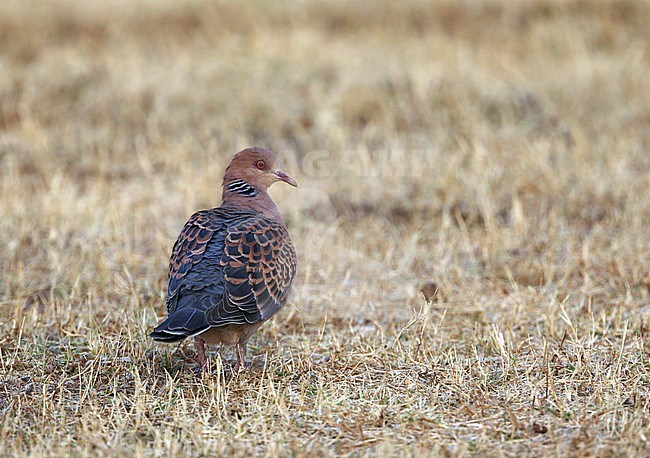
(527, 124)
(496, 152)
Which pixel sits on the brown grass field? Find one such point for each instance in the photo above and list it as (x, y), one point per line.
(495, 151)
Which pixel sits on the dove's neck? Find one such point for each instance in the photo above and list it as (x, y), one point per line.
(240, 194)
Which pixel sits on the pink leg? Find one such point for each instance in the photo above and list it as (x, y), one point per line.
(241, 356)
(199, 344)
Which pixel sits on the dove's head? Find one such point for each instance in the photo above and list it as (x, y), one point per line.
(257, 167)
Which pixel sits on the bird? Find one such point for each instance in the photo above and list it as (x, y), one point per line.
(233, 266)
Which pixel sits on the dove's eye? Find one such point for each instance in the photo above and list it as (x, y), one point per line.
(260, 165)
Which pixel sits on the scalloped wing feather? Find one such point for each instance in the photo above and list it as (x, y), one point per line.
(259, 265)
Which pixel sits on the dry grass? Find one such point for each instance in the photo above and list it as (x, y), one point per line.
(528, 207)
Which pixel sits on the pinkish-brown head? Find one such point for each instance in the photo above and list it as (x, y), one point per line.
(255, 168)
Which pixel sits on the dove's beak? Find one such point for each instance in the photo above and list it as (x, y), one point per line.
(286, 178)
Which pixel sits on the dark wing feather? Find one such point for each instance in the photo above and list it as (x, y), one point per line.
(189, 250)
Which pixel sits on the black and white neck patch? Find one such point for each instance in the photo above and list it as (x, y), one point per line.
(241, 187)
